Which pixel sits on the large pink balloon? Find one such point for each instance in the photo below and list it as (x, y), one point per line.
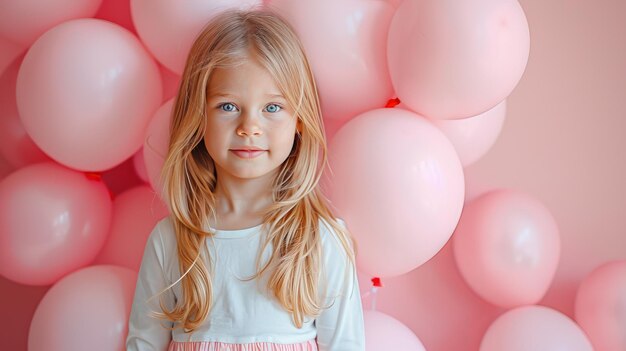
(87, 102)
(601, 306)
(346, 44)
(53, 220)
(24, 21)
(383, 332)
(507, 247)
(453, 59)
(534, 328)
(169, 27)
(15, 144)
(473, 137)
(398, 183)
(86, 310)
(135, 213)
(156, 143)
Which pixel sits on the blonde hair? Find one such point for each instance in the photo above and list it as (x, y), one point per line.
(189, 179)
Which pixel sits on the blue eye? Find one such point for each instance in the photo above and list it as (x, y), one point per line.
(275, 108)
(227, 109)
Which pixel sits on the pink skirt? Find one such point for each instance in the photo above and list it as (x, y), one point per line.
(310, 345)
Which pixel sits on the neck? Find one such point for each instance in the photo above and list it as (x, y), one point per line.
(240, 197)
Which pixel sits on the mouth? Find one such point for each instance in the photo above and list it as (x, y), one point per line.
(248, 153)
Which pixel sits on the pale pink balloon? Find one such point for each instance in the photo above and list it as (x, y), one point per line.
(383, 332)
(346, 43)
(507, 247)
(87, 102)
(156, 143)
(53, 220)
(601, 306)
(453, 59)
(399, 185)
(135, 213)
(169, 27)
(15, 144)
(24, 21)
(534, 328)
(140, 166)
(473, 137)
(86, 310)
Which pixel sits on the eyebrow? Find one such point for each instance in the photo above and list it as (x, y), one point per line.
(218, 94)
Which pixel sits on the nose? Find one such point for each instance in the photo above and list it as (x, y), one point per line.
(249, 125)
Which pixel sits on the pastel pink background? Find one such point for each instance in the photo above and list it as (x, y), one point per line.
(563, 142)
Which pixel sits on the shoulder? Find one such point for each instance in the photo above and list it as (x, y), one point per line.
(163, 237)
(331, 239)
(327, 231)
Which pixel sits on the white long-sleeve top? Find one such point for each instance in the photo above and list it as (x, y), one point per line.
(243, 311)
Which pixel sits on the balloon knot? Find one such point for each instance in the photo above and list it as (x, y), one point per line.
(93, 175)
(392, 103)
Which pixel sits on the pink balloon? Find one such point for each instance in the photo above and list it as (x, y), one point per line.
(473, 137)
(601, 306)
(534, 328)
(507, 247)
(169, 27)
(156, 143)
(53, 220)
(135, 213)
(24, 21)
(86, 310)
(451, 59)
(87, 102)
(383, 332)
(398, 183)
(346, 44)
(15, 144)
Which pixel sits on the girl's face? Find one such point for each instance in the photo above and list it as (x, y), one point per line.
(245, 110)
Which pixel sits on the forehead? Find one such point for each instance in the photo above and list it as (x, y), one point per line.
(247, 77)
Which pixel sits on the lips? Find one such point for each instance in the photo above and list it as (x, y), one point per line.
(248, 153)
(248, 148)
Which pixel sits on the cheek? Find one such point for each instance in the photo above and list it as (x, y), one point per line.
(214, 141)
(285, 141)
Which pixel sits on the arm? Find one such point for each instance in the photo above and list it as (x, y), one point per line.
(145, 332)
(341, 326)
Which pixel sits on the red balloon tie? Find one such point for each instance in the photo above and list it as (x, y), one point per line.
(392, 103)
(376, 283)
(93, 175)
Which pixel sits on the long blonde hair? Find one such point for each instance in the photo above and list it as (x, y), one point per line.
(188, 175)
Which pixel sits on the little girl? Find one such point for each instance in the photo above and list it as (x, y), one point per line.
(242, 170)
